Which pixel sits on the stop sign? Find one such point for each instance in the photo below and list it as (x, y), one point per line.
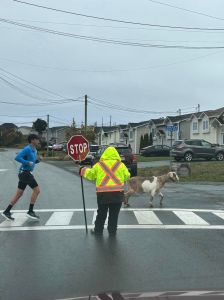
(78, 147)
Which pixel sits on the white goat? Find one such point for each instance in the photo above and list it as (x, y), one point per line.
(151, 185)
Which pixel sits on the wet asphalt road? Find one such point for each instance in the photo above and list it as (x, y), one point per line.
(63, 262)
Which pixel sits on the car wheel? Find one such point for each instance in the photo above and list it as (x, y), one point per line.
(177, 158)
(220, 156)
(188, 156)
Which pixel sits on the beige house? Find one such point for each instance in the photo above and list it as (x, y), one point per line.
(135, 131)
(208, 125)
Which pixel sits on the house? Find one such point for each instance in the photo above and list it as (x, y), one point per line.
(56, 134)
(135, 131)
(158, 131)
(26, 130)
(108, 134)
(208, 125)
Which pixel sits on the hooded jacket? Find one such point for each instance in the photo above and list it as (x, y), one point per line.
(109, 173)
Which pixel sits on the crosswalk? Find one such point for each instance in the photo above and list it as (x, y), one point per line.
(131, 218)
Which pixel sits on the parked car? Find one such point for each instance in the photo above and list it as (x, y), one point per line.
(125, 152)
(157, 150)
(57, 147)
(91, 156)
(196, 148)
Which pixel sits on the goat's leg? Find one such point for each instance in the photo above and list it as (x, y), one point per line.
(127, 195)
(151, 199)
(161, 199)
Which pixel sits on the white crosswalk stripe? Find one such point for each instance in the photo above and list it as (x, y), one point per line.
(219, 214)
(94, 218)
(132, 218)
(190, 218)
(20, 219)
(147, 217)
(60, 218)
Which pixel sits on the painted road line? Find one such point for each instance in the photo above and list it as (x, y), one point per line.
(123, 209)
(3, 170)
(82, 227)
(190, 218)
(59, 218)
(94, 218)
(147, 217)
(219, 214)
(196, 293)
(20, 219)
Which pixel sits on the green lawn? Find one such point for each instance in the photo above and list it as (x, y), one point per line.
(200, 171)
(151, 158)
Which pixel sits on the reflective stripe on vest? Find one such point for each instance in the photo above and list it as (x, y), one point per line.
(103, 187)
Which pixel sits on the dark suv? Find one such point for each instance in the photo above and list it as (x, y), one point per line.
(189, 149)
(127, 157)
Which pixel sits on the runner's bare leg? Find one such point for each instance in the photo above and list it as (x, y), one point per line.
(16, 197)
(36, 192)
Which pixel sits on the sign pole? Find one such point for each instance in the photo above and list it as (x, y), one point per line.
(78, 149)
(83, 199)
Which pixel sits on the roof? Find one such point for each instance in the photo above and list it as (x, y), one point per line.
(58, 127)
(179, 118)
(109, 128)
(123, 126)
(214, 113)
(210, 113)
(26, 127)
(157, 121)
(138, 124)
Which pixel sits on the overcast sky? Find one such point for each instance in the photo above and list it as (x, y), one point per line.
(148, 79)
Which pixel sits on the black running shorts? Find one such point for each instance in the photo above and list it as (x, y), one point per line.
(26, 178)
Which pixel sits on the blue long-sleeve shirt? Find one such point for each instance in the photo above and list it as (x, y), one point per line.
(28, 154)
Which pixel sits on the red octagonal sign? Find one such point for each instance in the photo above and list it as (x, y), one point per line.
(78, 147)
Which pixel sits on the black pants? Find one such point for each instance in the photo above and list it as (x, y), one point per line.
(114, 209)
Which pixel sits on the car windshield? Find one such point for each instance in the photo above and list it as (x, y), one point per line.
(124, 150)
(176, 143)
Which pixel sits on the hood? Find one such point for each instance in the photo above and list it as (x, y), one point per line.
(110, 154)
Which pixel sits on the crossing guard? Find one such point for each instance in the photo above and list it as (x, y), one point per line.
(110, 175)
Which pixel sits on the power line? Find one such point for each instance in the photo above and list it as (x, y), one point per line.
(34, 85)
(188, 10)
(110, 41)
(19, 116)
(124, 108)
(39, 104)
(31, 83)
(109, 26)
(113, 70)
(114, 20)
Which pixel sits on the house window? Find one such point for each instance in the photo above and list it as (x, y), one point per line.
(195, 126)
(205, 125)
(131, 134)
(153, 131)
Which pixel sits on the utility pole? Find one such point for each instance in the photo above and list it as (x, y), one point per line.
(199, 108)
(110, 120)
(86, 114)
(179, 112)
(47, 135)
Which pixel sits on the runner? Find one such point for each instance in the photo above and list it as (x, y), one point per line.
(28, 158)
